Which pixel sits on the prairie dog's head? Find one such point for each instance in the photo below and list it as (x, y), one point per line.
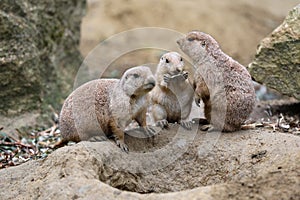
(198, 45)
(137, 81)
(170, 63)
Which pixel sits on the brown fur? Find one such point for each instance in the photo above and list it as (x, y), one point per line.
(224, 85)
(104, 107)
(171, 100)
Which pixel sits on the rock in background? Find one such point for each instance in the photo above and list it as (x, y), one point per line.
(39, 54)
(277, 62)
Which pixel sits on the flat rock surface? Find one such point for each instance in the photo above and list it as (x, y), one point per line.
(175, 164)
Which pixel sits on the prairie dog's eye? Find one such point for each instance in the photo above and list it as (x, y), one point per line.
(167, 61)
(181, 59)
(191, 38)
(203, 43)
(136, 75)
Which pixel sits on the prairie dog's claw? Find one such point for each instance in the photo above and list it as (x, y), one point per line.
(197, 101)
(163, 123)
(167, 78)
(186, 124)
(150, 131)
(208, 128)
(122, 146)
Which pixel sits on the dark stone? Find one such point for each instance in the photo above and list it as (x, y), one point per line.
(39, 54)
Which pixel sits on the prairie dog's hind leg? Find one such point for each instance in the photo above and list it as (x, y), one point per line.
(185, 122)
(141, 119)
(160, 115)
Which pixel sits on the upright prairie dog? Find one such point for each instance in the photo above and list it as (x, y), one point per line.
(104, 107)
(172, 96)
(224, 85)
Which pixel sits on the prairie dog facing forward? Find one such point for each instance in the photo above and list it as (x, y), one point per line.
(104, 107)
(224, 85)
(172, 97)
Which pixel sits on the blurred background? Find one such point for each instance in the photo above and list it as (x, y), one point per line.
(238, 25)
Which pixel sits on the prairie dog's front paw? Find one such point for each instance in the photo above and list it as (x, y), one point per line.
(122, 146)
(97, 138)
(150, 131)
(162, 123)
(208, 128)
(197, 101)
(167, 78)
(186, 124)
(185, 74)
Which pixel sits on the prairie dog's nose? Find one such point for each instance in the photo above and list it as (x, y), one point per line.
(179, 69)
(150, 80)
(180, 41)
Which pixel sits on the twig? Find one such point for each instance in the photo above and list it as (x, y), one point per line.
(15, 144)
(50, 130)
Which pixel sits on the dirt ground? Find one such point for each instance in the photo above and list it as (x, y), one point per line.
(176, 164)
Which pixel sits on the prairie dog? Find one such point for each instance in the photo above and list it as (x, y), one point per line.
(104, 107)
(224, 85)
(172, 96)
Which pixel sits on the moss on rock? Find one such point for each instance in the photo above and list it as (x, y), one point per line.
(39, 54)
(277, 62)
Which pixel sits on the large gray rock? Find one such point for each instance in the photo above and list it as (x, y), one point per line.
(39, 54)
(277, 62)
(256, 164)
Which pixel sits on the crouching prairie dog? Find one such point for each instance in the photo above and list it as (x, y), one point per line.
(104, 107)
(172, 96)
(224, 85)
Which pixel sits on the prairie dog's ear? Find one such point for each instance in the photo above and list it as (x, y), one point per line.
(128, 83)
